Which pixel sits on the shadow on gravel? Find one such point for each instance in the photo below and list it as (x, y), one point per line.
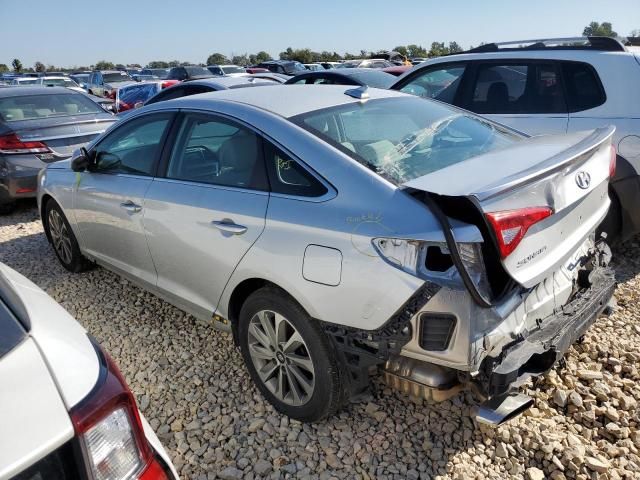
(626, 260)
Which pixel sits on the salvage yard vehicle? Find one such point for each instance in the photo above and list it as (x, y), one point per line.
(105, 83)
(344, 76)
(70, 413)
(332, 229)
(40, 125)
(547, 86)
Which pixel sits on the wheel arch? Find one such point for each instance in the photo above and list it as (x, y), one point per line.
(241, 292)
(46, 198)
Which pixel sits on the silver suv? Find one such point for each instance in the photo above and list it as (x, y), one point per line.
(550, 86)
(332, 229)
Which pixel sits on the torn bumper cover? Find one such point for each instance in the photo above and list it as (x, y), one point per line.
(538, 352)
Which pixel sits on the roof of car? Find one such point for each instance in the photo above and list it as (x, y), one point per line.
(227, 82)
(33, 90)
(110, 71)
(290, 100)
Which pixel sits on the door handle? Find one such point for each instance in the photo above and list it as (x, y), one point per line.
(230, 227)
(131, 207)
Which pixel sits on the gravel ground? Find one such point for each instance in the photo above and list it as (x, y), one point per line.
(191, 385)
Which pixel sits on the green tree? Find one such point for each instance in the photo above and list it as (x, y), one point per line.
(302, 55)
(240, 59)
(39, 67)
(17, 65)
(455, 48)
(104, 65)
(402, 50)
(174, 63)
(262, 56)
(438, 49)
(4, 68)
(416, 51)
(217, 59)
(158, 64)
(604, 29)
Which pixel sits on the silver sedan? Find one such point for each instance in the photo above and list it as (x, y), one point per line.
(334, 229)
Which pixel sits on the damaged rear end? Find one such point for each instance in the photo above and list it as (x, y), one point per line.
(515, 301)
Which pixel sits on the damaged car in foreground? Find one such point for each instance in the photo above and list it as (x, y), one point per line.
(334, 229)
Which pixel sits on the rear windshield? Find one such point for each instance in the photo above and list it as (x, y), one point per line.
(59, 82)
(195, 71)
(30, 107)
(405, 138)
(229, 70)
(375, 78)
(116, 77)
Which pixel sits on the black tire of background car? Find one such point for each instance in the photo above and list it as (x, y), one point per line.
(7, 208)
(330, 392)
(79, 263)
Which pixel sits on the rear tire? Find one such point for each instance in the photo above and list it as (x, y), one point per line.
(289, 358)
(63, 241)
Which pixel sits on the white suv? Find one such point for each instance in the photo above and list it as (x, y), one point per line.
(550, 86)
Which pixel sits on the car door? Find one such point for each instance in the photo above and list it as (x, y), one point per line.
(524, 94)
(109, 198)
(207, 210)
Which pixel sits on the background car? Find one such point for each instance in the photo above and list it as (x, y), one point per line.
(417, 60)
(104, 83)
(134, 96)
(285, 67)
(188, 72)
(397, 70)
(366, 63)
(330, 65)
(255, 69)
(263, 196)
(24, 81)
(339, 76)
(229, 70)
(194, 87)
(70, 413)
(50, 81)
(313, 66)
(81, 79)
(550, 86)
(270, 76)
(161, 73)
(40, 125)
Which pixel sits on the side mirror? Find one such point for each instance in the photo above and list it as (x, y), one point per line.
(107, 161)
(80, 160)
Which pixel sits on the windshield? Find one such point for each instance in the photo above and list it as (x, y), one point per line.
(233, 69)
(374, 78)
(27, 81)
(30, 107)
(405, 138)
(350, 64)
(116, 77)
(59, 82)
(197, 71)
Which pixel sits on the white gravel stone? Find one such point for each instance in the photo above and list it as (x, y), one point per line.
(193, 388)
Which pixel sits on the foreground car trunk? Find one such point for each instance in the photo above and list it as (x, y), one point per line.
(535, 202)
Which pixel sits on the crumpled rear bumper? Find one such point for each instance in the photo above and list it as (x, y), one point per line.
(536, 353)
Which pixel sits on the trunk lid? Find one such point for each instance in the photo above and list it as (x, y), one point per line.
(62, 136)
(567, 173)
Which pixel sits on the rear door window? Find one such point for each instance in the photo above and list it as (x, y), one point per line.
(441, 82)
(517, 88)
(288, 176)
(584, 90)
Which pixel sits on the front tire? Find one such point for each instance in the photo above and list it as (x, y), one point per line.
(64, 242)
(289, 358)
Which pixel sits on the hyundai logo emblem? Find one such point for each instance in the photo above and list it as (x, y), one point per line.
(583, 179)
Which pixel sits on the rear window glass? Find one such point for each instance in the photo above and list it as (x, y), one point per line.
(229, 70)
(195, 71)
(584, 90)
(405, 138)
(116, 77)
(30, 107)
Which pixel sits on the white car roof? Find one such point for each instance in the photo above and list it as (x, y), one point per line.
(290, 100)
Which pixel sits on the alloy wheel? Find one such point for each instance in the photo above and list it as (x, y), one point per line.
(60, 236)
(281, 358)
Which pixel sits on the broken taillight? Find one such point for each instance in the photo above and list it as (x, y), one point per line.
(510, 226)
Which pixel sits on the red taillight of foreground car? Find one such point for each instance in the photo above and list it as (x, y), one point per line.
(124, 106)
(613, 162)
(108, 424)
(510, 226)
(12, 144)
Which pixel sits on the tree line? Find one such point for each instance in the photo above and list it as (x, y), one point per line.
(303, 55)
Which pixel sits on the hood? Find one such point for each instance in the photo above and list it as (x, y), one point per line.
(64, 344)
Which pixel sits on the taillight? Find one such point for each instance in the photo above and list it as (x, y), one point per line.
(109, 427)
(12, 144)
(510, 226)
(613, 162)
(168, 83)
(123, 106)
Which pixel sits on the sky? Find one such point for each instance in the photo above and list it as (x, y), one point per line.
(80, 32)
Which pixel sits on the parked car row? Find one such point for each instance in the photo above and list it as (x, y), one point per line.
(350, 219)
